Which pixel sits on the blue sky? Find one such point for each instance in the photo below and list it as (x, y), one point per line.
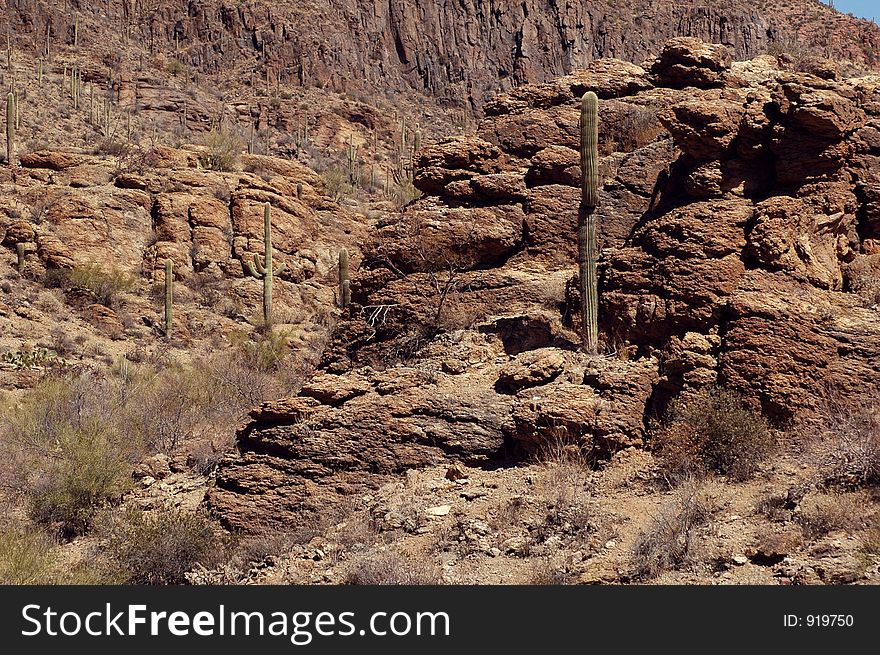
(864, 8)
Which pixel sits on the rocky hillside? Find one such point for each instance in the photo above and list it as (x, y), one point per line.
(739, 247)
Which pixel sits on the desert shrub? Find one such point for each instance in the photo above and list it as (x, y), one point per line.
(25, 557)
(635, 127)
(85, 473)
(550, 571)
(564, 480)
(713, 430)
(105, 284)
(222, 151)
(263, 352)
(136, 159)
(110, 146)
(402, 193)
(668, 543)
(386, 567)
(336, 183)
(851, 442)
(161, 546)
(829, 513)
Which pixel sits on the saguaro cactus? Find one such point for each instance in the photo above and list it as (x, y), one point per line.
(169, 297)
(10, 128)
(352, 158)
(19, 252)
(344, 283)
(265, 270)
(587, 249)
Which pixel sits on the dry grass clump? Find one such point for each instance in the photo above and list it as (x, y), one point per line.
(387, 567)
(564, 482)
(831, 512)
(712, 430)
(668, 543)
(849, 441)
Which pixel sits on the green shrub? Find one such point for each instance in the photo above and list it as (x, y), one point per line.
(161, 546)
(105, 284)
(713, 430)
(85, 473)
(25, 557)
(223, 151)
(336, 183)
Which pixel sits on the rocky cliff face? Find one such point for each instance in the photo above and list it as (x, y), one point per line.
(739, 247)
(462, 52)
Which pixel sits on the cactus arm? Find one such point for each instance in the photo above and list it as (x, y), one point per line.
(256, 268)
(279, 270)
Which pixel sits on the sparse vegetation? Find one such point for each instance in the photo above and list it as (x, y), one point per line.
(712, 430)
(25, 556)
(827, 513)
(669, 542)
(383, 566)
(105, 284)
(850, 442)
(222, 151)
(86, 469)
(160, 546)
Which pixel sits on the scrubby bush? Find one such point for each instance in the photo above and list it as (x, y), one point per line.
(827, 513)
(25, 557)
(222, 151)
(851, 442)
(712, 430)
(668, 543)
(105, 284)
(85, 472)
(386, 567)
(159, 547)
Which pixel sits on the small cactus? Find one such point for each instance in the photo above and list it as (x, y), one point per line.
(344, 283)
(10, 128)
(265, 271)
(299, 191)
(19, 251)
(169, 297)
(587, 249)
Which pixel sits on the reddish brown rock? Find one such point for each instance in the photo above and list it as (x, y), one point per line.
(688, 61)
(55, 160)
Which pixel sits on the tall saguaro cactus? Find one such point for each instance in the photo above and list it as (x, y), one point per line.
(265, 270)
(169, 297)
(587, 249)
(19, 254)
(10, 128)
(344, 283)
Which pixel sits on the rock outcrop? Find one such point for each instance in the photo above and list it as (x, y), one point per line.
(736, 212)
